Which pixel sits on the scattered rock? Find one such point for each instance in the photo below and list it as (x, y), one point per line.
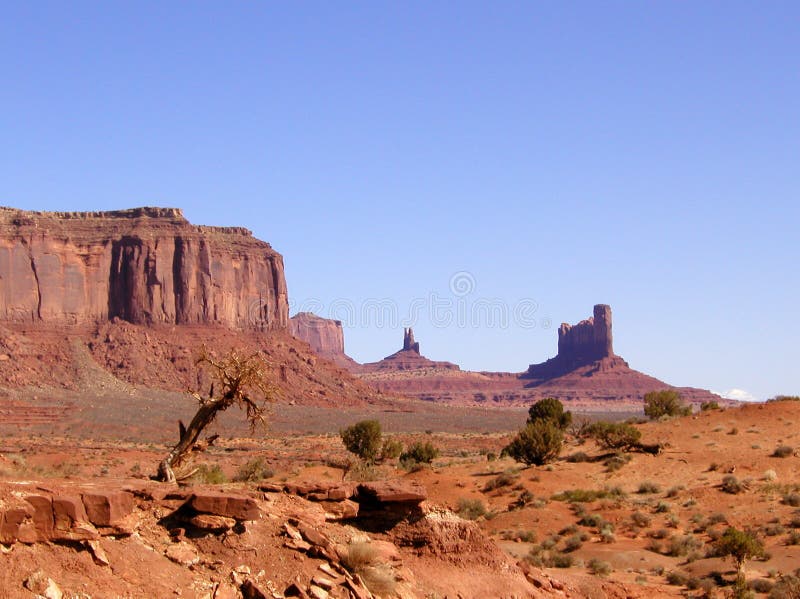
(107, 508)
(40, 584)
(182, 553)
(212, 523)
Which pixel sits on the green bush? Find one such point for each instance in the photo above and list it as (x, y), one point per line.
(363, 439)
(731, 484)
(614, 435)
(709, 405)
(419, 453)
(666, 402)
(253, 471)
(550, 409)
(741, 545)
(538, 443)
(391, 449)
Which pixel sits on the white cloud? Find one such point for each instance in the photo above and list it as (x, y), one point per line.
(737, 394)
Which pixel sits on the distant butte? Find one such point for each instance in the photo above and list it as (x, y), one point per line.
(408, 358)
(585, 372)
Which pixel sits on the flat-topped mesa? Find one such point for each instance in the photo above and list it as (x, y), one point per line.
(324, 335)
(144, 265)
(408, 341)
(588, 342)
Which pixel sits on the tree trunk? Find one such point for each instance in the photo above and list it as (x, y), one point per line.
(189, 435)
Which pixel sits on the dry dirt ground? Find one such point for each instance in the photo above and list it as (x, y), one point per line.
(653, 521)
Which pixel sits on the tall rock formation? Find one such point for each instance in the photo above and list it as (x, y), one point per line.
(143, 265)
(408, 341)
(407, 358)
(324, 335)
(588, 342)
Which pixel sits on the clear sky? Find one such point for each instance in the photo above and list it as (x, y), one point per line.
(526, 159)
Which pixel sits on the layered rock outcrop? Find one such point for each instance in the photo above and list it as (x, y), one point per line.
(324, 335)
(143, 265)
(588, 342)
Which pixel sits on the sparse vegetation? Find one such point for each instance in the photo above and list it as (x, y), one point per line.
(665, 403)
(588, 495)
(253, 471)
(615, 435)
(363, 439)
(731, 484)
(740, 545)
(362, 558)
(599, 567)
(550, 410)
(648, 487)
(707, 406)
(537, 444)
(419, 453)
(471, 509)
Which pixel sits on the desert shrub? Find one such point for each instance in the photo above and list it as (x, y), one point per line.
(740, 545)
(538, 443)
(784, 398)
(471, 509)
(793, 538)
(211, 475)
(731, 484)
(505, 479)
(673, 491)
(599, 567)
(769, 475)
(676, 578)
(761, 585)
(391, 449)
(573, 543)
(640, 519)
(588, 495)
(607, 535)
(552, 410)
(253, 471)
(795, 521)
(616, 461)
(419, 453)
(709, 405)
(559, 560)
(365, 472)
(783, 451)
(773, 529)
(363, 439)
(662, 507)
(792, 499)
(362, 558)
(578, 456)
(717, 518)
(787, 587)
(660, 533)
(615, 435)
(681, 545)
(593, 521)
(648, 487)
(664, 403)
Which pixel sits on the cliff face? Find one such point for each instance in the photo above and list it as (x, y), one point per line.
(325, 336)
(144, 265)
(591, 341)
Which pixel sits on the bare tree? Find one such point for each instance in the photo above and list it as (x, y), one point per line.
(241, 381)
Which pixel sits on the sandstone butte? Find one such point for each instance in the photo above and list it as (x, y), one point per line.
(94, 274)
(143, 265)
(584, 372)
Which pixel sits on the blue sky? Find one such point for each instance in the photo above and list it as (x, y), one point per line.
(557, 155)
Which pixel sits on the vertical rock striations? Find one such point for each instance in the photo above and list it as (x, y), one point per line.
(144, 265)
(324, 335)
(591, 341)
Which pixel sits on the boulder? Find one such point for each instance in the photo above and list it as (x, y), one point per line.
(229, 505)
(107, 508)
(391, 491)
